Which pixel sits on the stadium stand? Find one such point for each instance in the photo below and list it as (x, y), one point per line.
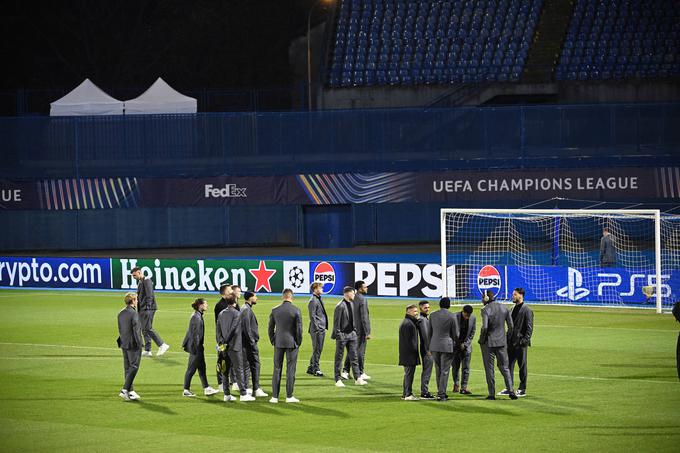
(613, 39)
(430, 42)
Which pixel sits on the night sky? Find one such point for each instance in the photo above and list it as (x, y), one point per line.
(192, 44)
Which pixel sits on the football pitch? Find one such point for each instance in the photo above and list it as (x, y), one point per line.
(599, 380)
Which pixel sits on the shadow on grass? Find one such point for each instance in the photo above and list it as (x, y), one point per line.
(262, 407)
(314, 410)
(632, 430)
(636, 365)
(153, 407)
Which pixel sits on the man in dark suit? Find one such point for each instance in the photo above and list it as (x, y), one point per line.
(493, 341)
(676, 313)
(285, 334)
(147, 311)
(236, 291)
(230, 343)
(607, 250)
(519, 339)
(443, 334)
(130, 342)
(193, 344)
(408, 350)
(345, 336)
(363, 327)
(225, 292)
(425, 354)
(318, 325)
(251, 336)
(461, 358)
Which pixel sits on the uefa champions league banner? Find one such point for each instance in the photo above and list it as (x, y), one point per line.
(615, 184)
(32, 272)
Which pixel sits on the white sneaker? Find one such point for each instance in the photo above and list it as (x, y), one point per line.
(249, 391)
(147, 354)
(273, 400)
(133, 395)
(292, 399)
(360, 382)
(339, 383)
(234, 386)
(410, 398)
(220, 388)
(247, 398)
(162, 349)
(188, 393)
(124, 394)
(503, 392)
(208, 391)
(365, 377)
(260, 393)
(229, 398)
(344, 375)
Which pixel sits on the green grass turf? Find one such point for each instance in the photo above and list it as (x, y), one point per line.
(598, 380)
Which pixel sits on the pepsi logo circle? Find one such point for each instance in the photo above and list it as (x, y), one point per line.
(325, 274)
(489, 279)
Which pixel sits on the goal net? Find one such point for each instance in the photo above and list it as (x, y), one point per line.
(592, 257)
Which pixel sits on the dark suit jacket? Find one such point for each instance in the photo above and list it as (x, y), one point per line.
(146, 300)
(423, 325)
(228, 329)
(408, 342)
(362, 322)
(472, 325)
(494, 318)
(285, 326)
(443, 330)
(318, 318)
(129, 330)
(249, 326)
(607, 251)
(219, 306)
(523, 328)
(341, 322)
(193, 340)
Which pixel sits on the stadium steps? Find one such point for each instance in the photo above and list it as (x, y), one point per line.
(547, 44)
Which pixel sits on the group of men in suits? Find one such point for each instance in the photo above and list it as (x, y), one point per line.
(444, 339)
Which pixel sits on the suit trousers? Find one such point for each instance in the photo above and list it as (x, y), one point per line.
(361, 353)
(317, 347)
(252, 365)
(351, 345)
(442, 363)
(518, 355)
(426, 374)
(146, 320)
(461, 359)
(196, 363)
(131, 358)
(234, 360)
(291, 363)
(489, 355)
(245, 365)
(409, 374)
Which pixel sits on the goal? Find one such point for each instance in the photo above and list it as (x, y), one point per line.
(559, 255)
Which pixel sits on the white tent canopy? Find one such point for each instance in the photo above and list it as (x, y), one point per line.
(160, 98)
(86, 99)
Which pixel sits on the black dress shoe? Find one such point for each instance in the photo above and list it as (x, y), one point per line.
(513, 396)
(442, 398)
(427, 396)
(310, 371)
(465, 392)
(318, 373)
(490, 397)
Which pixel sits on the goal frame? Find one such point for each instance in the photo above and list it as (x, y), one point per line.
(655, 214)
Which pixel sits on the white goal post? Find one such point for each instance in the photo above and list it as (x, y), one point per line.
(560, 256)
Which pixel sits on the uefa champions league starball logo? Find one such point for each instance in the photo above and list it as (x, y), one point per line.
(296, 277)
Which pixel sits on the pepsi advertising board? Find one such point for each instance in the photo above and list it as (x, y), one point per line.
(333, 276)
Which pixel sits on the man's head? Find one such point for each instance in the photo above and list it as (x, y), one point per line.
(467, 311)
(348, 293)
(445, 303)
(250, 298)
(488, 297)
(287, 294)
(317, 288)
(518, 295)
(131, 299)
(605, 231)
(237, 291)
(200, 305)
(137, 274)
(412, 311)
(361, 287)
(424, 307)
(225, 291)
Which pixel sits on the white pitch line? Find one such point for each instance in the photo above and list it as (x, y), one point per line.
(556, 376)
